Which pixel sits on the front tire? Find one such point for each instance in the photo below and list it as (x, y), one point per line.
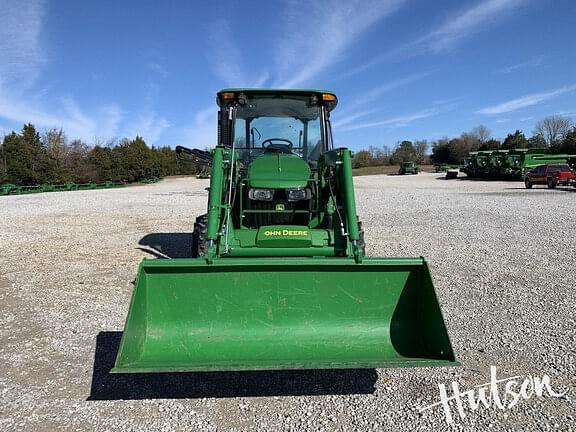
(528, 183)
(551, 183)
(200, 236)
(361, 241)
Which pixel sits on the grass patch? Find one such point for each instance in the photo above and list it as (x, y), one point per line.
(387, 169)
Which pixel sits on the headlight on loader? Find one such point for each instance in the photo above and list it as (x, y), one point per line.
(298, 194)
(261, 194)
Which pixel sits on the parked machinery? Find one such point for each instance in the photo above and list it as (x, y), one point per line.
(408, 168)
(508, 164)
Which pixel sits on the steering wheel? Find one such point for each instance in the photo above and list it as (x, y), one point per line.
(277, 144)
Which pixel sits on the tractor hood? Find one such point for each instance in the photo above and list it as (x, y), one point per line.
(278, 171)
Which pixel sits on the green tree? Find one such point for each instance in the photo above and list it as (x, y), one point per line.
(404, 152)
(3, 166)
(102, 161)
(536, 141)
(55, 143)
(441, 152)
(491, 144)
(569, 142)
(515, 140)
(24, 157)
(135, 159)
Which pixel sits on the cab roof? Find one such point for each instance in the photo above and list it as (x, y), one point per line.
(272, 91)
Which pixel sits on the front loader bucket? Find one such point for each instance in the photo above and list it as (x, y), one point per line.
(243, 314)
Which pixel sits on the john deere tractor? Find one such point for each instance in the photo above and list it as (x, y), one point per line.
(279, 278)
(408, 168)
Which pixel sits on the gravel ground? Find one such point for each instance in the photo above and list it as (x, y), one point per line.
(502, 258)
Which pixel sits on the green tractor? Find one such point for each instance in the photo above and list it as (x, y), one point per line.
(279, 278)
(408, 168)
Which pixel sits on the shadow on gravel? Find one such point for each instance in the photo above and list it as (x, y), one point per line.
(536, 189)
(488, 179)
(171, 245)
(107, 386)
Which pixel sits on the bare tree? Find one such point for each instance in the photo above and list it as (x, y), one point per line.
(553, 128)
(54, 141)
(421, 149)
(469, 141)
(482, 133)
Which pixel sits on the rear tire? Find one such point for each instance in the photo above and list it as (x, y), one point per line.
(200, 236)
(551, 183)
(528, 184)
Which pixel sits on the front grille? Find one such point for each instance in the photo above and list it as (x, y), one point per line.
(272, 217)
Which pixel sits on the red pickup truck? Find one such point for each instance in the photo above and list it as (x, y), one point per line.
(550, 175)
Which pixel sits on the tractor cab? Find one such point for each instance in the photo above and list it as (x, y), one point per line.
(278, 137)
(266, 122)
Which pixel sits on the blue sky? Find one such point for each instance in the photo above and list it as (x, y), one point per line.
(403, 69)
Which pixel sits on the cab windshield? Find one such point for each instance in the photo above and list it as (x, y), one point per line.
(287, 124)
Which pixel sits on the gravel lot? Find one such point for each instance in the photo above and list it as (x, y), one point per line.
(502, 257)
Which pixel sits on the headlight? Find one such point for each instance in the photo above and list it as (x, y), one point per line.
(261, 194)
(298, 194)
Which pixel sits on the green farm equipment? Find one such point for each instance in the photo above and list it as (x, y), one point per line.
(150, 180)
(280, 279)
(504, 164)
(497, 163)
(408, 168)
(514, 160)
(201, 158)
(440, 168)
(452, 173)
(7, 188)
(537, 157)
(10, 189)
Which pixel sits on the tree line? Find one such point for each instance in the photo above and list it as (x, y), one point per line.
(30, 158)
(555, 133)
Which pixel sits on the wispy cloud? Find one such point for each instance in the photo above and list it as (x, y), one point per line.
(525, 101)
(226, 58)
(22, 61)
(203, 132)
(317, 33)
(148, 125)
(312, 36)
(347, 119)
(349, 114)
(400, 121)
(566, 113)
(523, 65)
(455, 29)
(468, 22)
(20, 52)
(66, 115)
(386, 87)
